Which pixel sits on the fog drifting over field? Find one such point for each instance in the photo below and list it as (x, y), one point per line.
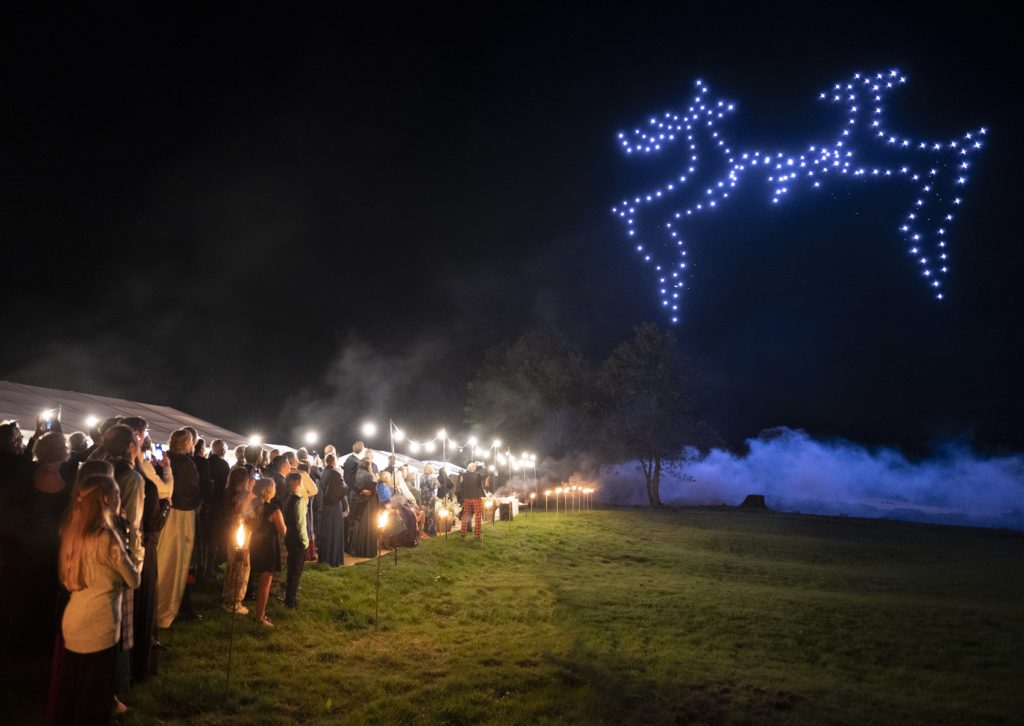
(798, 473)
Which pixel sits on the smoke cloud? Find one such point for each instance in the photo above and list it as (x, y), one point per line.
(798, 473)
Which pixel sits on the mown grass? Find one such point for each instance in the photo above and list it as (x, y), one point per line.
(630, 616)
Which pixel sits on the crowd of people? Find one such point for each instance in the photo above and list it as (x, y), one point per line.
(106, 535)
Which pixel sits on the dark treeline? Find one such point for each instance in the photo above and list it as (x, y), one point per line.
(636, 404)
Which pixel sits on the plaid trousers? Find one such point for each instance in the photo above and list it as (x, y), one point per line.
(469, 507)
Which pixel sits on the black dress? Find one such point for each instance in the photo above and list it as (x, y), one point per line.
(154, 516)
(264, 549)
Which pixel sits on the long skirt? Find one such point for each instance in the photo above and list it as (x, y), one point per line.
(332, 535)
(174, 554)
(364, 536)
(430, 521)
(143, 658)
(236, 578)
(85, 688)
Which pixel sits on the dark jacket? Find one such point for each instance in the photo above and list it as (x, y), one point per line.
(472, 485)
(187, 495)
(205, 477)
(219, 471)
(349, 469)
(333, 487)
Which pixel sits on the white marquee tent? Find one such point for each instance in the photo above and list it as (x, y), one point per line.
(25, 403)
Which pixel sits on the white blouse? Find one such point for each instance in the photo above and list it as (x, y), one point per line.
(92, 619)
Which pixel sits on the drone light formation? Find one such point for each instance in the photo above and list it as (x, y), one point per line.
(937, 170)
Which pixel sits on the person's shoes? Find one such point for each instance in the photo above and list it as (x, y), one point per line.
(189, 614)
(240, 609)
(119, 709)
(265, 622)
(291, 605)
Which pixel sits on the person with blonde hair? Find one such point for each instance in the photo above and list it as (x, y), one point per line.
(265, 548)
(174, 548)
(95, 567)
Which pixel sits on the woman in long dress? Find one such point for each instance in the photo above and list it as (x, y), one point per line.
(364, 536)
(332, 523)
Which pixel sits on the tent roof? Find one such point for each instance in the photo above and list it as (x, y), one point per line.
(24, 403)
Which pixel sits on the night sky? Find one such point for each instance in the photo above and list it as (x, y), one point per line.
(283, 220)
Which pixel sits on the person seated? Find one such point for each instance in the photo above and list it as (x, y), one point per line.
(405, 496)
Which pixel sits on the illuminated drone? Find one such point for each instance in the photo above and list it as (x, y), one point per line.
(938, 170)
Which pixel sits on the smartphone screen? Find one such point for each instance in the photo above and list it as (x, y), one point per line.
(158, 452)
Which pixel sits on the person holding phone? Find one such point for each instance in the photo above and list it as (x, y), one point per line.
(174, 550)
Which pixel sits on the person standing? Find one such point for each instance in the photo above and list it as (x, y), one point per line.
(122, 447)
(356, 502)
(364, 532)
(174, 550)
(472, 490)
(428, 499)
(156, 505)
(203, 521)
(239, 508)
(95, 567)
(332, 523)
(296, 512)
(308, 467)
(280, 467)
(265, 549)
(215, 516)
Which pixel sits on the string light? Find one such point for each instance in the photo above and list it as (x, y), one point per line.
(937, 170)
(416, 446)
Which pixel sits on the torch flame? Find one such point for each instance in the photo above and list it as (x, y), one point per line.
(444, 514)
(240, 536)
(382, 520)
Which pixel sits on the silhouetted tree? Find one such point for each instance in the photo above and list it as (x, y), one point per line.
(538, 388)
(648, 413)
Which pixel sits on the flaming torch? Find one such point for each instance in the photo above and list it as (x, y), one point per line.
(547, 497)
(444, 516)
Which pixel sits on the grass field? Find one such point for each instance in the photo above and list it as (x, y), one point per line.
(626, 616)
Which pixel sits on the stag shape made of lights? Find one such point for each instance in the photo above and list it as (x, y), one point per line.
(937, 170)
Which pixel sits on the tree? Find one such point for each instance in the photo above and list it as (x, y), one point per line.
(648, 412)
(538, 388)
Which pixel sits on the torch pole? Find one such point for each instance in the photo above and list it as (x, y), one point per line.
(234, 612)
(376, 597)
(394, 468)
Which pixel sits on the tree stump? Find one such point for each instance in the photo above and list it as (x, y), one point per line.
(754, 501)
